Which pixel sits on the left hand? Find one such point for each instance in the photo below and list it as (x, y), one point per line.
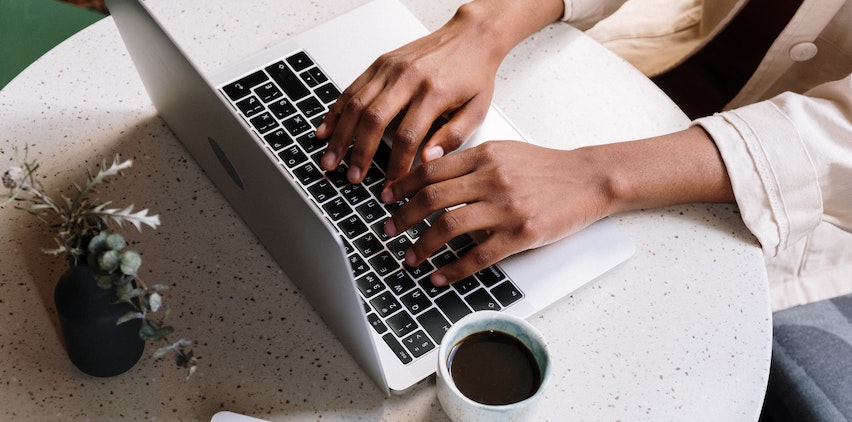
(522, 196)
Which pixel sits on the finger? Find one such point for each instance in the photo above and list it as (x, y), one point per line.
(409, 185)
(494, 249)
(411, 132)
(453, 134)
(329, 122)
(374, 120)
(351, 109)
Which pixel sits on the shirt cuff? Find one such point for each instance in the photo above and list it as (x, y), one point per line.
(774, 179)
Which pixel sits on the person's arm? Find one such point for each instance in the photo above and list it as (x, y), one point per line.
(790, 162)
(523, 196)
(447, 73)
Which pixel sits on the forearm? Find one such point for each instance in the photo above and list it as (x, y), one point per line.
(678, 168)
(503, 24)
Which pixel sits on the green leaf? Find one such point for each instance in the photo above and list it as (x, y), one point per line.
(115, 242)
(129, 317)
(96, 245)
(130, 262)
(109, 261)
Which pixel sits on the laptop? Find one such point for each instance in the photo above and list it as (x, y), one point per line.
(250, 127)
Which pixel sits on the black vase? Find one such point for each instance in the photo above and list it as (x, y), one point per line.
(87, 315)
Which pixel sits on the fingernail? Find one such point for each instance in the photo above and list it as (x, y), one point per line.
(329, 160)
(439, 280)
(321, 128)
(387, 195)
(410, 258)
(390, 227)
(354, 174)
(433, 153)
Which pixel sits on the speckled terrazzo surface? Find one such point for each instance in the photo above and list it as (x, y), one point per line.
(680, 332)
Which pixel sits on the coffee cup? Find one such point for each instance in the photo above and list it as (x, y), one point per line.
(492, 366)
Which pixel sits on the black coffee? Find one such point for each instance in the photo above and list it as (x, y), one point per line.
(492, 367)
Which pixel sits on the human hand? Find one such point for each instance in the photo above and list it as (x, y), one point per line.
(448, 73)
(520, 195)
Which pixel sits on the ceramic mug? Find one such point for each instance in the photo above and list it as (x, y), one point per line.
(477, 335)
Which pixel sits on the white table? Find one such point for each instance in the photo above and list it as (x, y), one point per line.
(682, 331)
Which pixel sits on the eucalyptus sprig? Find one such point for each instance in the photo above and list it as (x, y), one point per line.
(82, 231)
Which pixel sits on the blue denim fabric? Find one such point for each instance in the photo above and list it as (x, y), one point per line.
(810, 378)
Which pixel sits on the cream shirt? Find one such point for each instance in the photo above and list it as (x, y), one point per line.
(786, 138)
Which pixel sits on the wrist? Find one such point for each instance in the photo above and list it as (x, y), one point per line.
(503, 24)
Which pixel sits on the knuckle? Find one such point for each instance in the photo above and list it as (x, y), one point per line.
(407, 138)
(430, 197)
(455, 138)
(373, 118)
(447, 225)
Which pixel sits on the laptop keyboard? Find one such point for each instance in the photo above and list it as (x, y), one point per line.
(284, 103)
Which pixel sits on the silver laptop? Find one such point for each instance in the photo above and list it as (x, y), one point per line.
(251, 127)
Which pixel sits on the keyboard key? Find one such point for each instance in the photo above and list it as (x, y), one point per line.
(398, 246)
(309, 142)
(418, 344)
(355, 194)
(250, 106)
(327, 93)
(379, 229)
(352, 227)
(322, 191)
(300, 61)
(421, 270)
(434, 323)
(282, 108)
(431, 289)
(288, 81)
(384, 263)
(278, 139)
(416, 230)
(466, 285)
(401, 324)
(490, 276)
(506, 293)
(443, 258)
(382, 155)
(371, 211)
(264, 122)
(460, 242)
(313, 77)
(337, 208)
(368, 244)
(373, 175)
(480, 300)
(242, 87)
(347, 248)
(416, 301)
(376, 322)
(452, 306)
(385, 304)
(338, 176)
(358, 265)
(268, 92)
(292, 156)
(400, 352)
(399, 282)
(369, 284)
(296, 124)
(310, 107)
(307, 173)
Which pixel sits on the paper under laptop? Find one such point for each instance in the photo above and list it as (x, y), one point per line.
(305, 244)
